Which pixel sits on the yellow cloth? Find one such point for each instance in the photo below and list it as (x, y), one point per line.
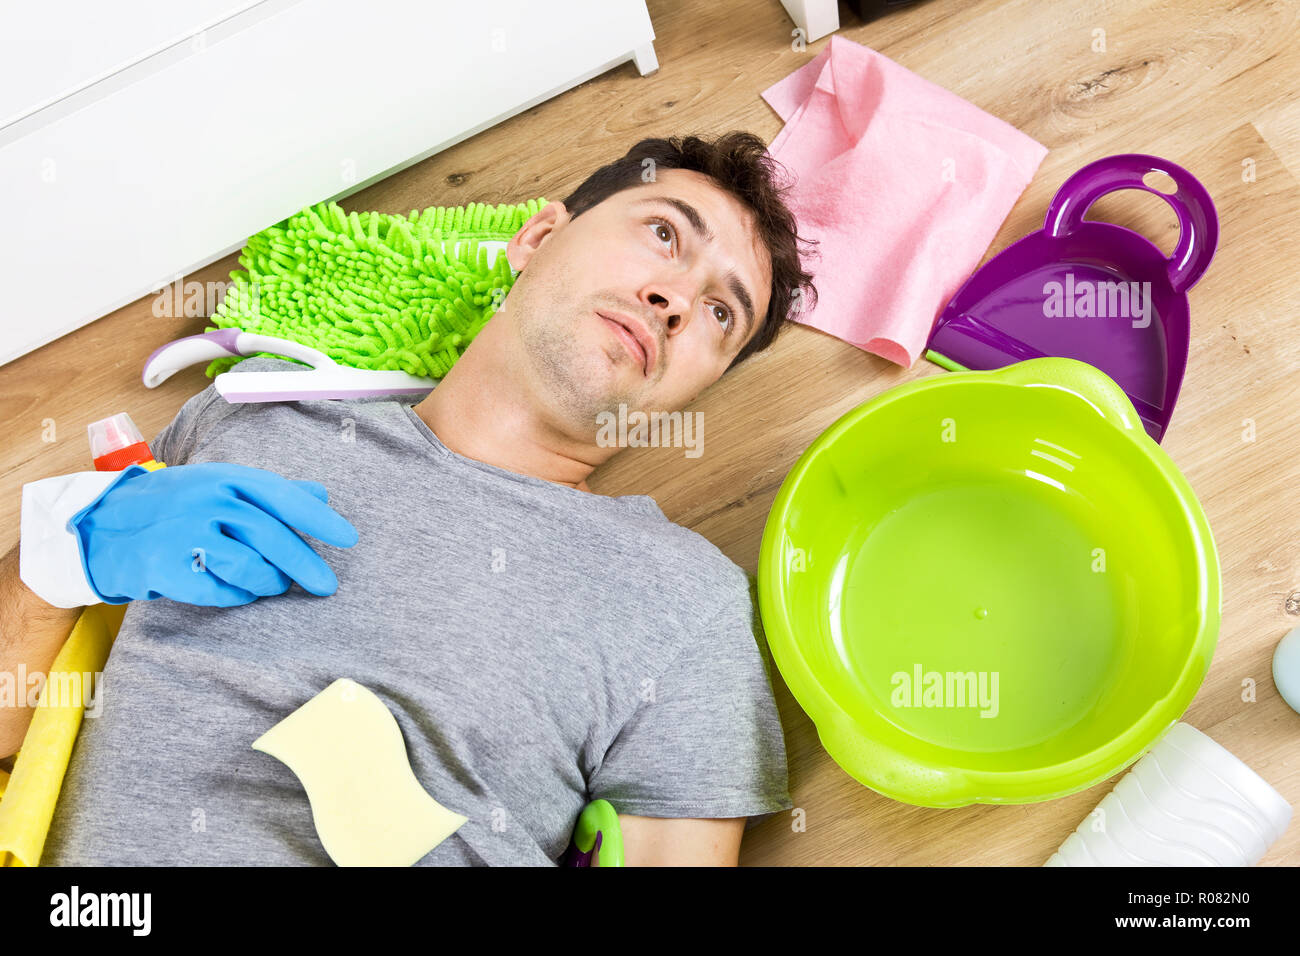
(32, 791)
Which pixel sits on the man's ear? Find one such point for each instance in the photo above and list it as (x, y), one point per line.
(531, 234)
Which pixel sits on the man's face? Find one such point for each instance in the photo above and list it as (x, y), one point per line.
(631, 302)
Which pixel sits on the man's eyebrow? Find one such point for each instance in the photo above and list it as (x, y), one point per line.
(692, 216)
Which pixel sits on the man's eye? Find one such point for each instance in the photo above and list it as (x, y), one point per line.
(726, 315)
(661, 224)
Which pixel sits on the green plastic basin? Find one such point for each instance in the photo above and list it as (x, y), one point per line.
(989, 587)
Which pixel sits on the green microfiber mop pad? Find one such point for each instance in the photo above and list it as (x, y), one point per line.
(373, 290)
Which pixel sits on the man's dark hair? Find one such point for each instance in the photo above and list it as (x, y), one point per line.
(739, 163)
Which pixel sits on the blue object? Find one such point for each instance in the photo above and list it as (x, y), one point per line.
(211, 533)
(1286, 668)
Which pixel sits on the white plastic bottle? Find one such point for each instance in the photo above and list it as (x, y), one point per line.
(1188, 802)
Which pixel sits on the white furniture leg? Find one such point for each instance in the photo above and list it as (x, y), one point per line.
(816, 18)
(645, 60)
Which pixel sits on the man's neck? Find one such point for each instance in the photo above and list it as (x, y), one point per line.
(480, 422)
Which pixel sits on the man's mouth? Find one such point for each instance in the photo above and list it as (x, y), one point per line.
(633, 342)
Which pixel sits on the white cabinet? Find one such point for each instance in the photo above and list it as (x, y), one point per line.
(144, 139)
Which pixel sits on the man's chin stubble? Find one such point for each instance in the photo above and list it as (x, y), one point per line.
(562, 372)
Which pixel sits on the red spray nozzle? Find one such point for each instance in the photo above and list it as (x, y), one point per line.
(115, 443)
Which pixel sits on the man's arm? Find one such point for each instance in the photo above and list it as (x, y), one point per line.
(31, 633)
(659, 841)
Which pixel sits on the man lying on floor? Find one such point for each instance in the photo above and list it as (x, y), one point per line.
(539, 645)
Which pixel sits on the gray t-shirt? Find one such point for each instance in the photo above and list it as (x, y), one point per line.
(538, 645)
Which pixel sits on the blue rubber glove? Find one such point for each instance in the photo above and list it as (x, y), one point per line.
(211, 533)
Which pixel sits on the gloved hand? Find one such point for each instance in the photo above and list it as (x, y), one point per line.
(210, 533)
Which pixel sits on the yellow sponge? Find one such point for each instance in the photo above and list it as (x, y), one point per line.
(347, 751)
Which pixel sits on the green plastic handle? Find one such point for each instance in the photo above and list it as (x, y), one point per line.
(599, 816)
(1079, 378)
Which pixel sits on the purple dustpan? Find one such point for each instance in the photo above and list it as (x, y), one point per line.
(1091, 291)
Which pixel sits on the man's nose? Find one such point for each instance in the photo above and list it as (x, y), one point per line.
(672, 310)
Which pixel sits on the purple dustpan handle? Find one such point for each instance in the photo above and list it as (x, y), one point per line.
(1198, 223)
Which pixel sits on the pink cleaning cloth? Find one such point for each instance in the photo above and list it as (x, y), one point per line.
(904, 184)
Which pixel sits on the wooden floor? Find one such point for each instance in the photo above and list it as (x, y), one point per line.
(1209, 84)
